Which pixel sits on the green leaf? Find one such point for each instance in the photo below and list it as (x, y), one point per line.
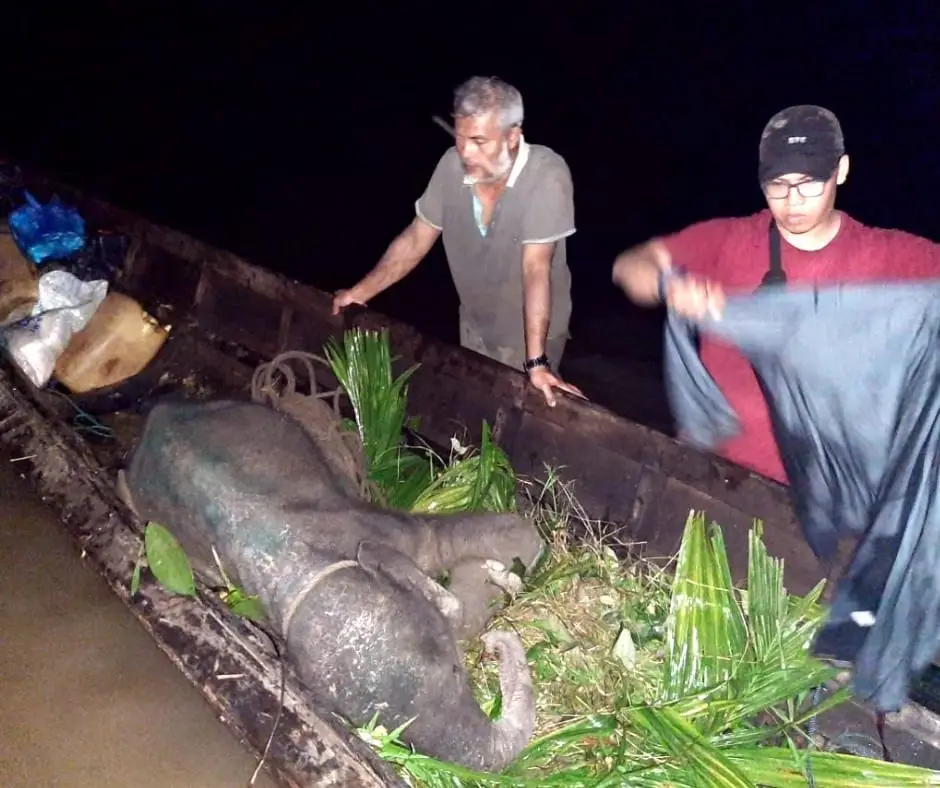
(135, 578)
(555, 628)
(472, 482)
(245, 605)
(168, 561)
(775, 768)
(403, 478)
(496, 708)
(594, 726)
(362, 364)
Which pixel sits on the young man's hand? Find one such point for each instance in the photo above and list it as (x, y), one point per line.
(694, 298)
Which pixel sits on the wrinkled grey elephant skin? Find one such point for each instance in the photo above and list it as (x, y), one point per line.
(347, 584)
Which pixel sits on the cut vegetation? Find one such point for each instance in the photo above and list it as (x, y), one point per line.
(644, 676)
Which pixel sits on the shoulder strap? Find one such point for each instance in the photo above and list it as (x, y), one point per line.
(775, 274)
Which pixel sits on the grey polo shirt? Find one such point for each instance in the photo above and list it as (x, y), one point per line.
(536, 207)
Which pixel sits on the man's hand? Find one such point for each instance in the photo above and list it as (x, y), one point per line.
(402, 256)
(547, 381)
(344, 298)
(694, 298)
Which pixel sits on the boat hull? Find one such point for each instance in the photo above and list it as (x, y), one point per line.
(228, 315)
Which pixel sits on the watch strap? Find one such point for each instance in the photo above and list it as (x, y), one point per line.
(532, 363)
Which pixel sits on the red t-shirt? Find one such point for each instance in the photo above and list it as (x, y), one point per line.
(735, 253)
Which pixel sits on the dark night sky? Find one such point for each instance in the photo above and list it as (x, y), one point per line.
(301, 138)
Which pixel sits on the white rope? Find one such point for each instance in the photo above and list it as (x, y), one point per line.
(308, 587)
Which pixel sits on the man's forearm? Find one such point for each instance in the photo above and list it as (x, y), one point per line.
(537, 310)
(637, 271)
(401, 258)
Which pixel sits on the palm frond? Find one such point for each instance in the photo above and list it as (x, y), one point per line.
(705, 631)
(363, 367)
(482, 481)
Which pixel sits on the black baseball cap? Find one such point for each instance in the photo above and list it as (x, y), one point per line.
(803, 139)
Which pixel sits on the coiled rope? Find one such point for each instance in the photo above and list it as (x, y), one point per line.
(275, 383)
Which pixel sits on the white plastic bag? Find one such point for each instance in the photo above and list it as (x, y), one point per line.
(65, 306)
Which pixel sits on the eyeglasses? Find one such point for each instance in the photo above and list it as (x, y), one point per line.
(780, 190)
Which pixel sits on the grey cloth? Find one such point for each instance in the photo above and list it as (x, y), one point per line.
(851, 374)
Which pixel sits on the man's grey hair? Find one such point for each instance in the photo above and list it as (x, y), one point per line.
(482, 95)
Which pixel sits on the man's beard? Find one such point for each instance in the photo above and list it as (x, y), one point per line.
(501, 167)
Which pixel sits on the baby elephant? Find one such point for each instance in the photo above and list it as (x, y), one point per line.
(348, 585)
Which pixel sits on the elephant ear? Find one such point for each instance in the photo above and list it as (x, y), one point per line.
(381, 561)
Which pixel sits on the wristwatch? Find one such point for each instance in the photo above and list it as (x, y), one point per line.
(532, 363)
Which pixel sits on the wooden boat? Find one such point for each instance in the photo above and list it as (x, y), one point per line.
(229, 315)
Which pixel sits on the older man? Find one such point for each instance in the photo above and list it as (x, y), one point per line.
(504, 208)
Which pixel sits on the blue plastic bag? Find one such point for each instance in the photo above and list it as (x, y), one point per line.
(47, 232)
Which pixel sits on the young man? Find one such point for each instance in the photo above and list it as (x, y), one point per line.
(802, 162)
(504, 208)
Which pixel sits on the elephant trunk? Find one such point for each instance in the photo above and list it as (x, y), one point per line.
(472, 739)
(513, 730)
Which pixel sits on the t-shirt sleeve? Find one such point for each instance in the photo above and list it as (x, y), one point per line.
(696, 248)
(912, 256)
(549, 216)
(430, 205)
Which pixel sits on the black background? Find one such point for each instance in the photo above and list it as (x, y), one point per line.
(300, 136)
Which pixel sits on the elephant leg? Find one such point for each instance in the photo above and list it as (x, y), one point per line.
(480, 586)
(379, 558)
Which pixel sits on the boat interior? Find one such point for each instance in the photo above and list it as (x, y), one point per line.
(221, 318)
